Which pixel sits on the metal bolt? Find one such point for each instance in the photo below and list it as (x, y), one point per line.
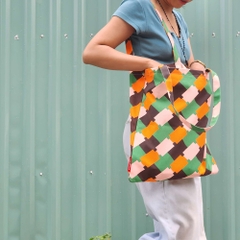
(91, 172)
(191, 35)
(147, 215)
(91, 35)
(16, 37)
(41, 36)
(65, 35)
(40, 174)
(213, 34)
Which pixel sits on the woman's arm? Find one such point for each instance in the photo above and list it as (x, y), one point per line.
(101, 51)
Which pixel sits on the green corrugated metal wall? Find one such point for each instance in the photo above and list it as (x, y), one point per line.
(63, 171)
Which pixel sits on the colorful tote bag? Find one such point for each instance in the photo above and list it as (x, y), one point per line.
(171, 108)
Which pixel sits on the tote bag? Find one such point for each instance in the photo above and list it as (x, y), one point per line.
(172, 109)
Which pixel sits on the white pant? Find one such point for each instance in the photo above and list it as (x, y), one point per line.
(175, 205)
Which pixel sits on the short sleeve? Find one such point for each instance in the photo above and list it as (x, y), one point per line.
(132, 12)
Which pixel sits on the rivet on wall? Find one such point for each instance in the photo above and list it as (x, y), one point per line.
(238, 34)
(91, 35)
(147, 215)
(191, 35)
(213, 34)
(41, 36)
(65, 35)
(40, 174)
(16, 37)
(91, 172)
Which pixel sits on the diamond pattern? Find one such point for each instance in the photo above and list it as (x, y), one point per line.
(163, 146)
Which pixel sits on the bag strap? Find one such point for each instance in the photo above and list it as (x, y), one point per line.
(174, 48)
(216, 99)
(215, 80)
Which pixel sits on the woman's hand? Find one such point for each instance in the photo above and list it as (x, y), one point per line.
(197, 66)
(153, 64)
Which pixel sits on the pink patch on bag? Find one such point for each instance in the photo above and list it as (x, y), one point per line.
(163, 117)
(160, 90)
(216, 110)
(167, 173)
(195, 174)
(191, 151)
(216, 83)
(193, 119)
(136, 168)
(142, 112)
(215, 169)
(164, 147)
(138, 139)
(190, 94)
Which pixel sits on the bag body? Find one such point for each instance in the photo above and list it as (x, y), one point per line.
(172, 109)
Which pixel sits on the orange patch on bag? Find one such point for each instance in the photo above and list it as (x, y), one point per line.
(201, 140)
(139, 84)
(150, 129)
(170, 107)
(200, 82)
(179, 164)
(134, 110)
(176, 76)
(202, 168)
(169, 84)
(129, 48)
(150, 158)
(151, 180)
(178, 134)
(150, 99)
(149, 75)
(202, 110)
(132, 136)
(179, 104)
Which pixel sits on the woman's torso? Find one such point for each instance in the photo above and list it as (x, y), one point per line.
(150, 39)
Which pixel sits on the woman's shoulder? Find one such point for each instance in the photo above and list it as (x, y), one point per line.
(142, 3)
(136, 13)
(142, 7)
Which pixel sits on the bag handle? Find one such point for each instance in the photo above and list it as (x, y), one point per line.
(216, 99)
(216, 85)
(216, 92)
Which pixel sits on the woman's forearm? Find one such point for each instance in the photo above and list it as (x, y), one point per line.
(106, 57)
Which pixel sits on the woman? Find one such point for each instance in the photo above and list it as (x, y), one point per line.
(175, 206)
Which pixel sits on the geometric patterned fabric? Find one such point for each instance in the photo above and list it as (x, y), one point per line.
(170, 111)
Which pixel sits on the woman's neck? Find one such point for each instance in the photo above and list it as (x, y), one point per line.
(166, 6)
